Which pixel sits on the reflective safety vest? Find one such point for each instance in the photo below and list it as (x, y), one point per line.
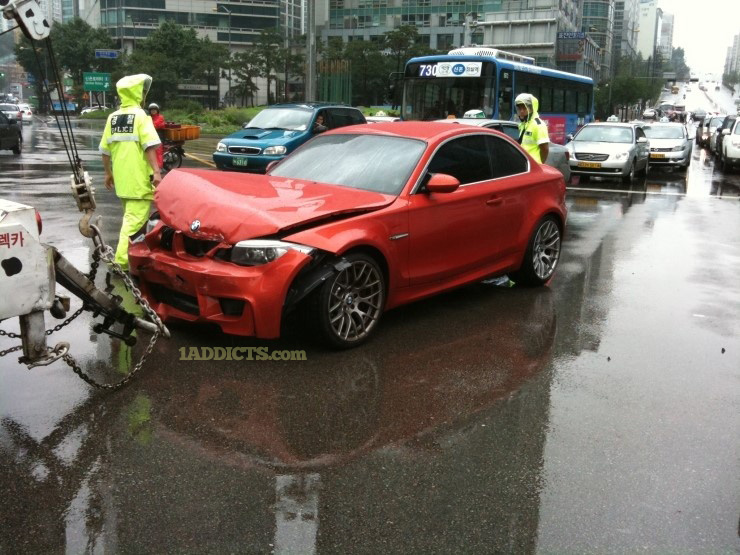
(128, 133)
(533, 133)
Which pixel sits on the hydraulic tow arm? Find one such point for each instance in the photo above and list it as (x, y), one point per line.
(29, 269)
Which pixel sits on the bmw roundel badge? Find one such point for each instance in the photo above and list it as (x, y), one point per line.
(195, 226)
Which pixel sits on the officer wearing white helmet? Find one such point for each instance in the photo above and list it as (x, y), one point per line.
(533, 134)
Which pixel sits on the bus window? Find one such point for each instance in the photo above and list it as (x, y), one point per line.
(583, 103)
(571, 105)
(505, 95)
(546, 99)
(558, 100)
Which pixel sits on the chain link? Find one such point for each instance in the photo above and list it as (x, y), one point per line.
(105, 253)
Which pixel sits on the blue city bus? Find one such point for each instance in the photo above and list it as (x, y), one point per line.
(487, 79)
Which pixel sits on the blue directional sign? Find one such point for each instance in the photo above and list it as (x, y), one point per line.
(107, 54)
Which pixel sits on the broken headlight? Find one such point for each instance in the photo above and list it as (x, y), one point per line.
(255, 252)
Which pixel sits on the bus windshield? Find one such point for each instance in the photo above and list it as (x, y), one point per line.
(430, 99)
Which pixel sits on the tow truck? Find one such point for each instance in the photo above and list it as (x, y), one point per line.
(31, 270)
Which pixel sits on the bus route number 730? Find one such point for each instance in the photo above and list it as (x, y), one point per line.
(428, 70)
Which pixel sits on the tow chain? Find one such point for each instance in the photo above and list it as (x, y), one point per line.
(103, 253)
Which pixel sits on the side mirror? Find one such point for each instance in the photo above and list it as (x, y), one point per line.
(569, 136)
(725, 131)
(642, 140)
(271, 165)
(442, 183)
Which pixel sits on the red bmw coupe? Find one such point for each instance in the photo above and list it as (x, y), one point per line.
(355, 222)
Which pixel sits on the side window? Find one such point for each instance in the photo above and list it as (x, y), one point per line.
(465, 158)
(506, 159)
(512, 131)
(341, 117)
(639, 133)
(3, 119)
(356, 117)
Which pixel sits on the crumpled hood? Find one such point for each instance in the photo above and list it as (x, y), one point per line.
(132, 89)
(234, 207)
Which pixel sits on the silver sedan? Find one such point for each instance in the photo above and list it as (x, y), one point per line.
(610, 150)
(670, 145)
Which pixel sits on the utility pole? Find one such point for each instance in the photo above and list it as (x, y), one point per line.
(311, 66)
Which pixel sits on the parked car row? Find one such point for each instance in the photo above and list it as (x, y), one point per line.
(720, 134)
(22, 113)
(623, 150)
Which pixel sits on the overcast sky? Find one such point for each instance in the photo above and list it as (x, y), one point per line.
(704, 29)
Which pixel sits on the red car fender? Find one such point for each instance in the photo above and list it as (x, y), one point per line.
(373, 230)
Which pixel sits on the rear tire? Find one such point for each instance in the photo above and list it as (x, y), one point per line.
(171, 159)
(542, 255)
(19, 147)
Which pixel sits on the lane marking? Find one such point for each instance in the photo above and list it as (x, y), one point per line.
(595, 190)
(201, 160)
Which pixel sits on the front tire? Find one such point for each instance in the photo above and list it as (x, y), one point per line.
(348, 306)
(542, 255)
(630, 176)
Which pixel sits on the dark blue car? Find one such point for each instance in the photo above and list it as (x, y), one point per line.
(277, 131)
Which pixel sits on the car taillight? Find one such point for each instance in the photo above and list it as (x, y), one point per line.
(39, 223)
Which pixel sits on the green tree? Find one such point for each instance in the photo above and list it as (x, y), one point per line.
(207, 62)
(369, 72)
(169, 55)
(33, 58)
(245, 69)
(74, 45)
(270, 56)
(400, 42)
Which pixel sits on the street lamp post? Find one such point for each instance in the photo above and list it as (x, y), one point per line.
(228, 11)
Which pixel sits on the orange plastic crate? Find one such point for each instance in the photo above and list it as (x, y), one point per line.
(182, 133)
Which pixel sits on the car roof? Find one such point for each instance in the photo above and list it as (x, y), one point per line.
(475, 121)
(628, 125)
(423, 130)
(311, 105)
(665, 124)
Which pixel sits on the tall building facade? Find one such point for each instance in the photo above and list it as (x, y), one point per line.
(626, 15)
(598, 22)
(650, 26)
(665, 45)
(732, 61)
(529, 27)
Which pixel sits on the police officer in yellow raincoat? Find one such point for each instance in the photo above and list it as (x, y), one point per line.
(533, 134)
(129, 149)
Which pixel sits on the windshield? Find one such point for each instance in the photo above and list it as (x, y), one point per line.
(430, 99)
(668, 132)
(9, 107)
(292, 119)
(372, 162)
(604, 134)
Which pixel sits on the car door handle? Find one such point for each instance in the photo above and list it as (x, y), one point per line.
(494, 201)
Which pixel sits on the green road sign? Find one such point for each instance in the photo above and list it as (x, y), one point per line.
(96, 81)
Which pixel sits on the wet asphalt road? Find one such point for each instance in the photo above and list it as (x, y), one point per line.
(598, 414)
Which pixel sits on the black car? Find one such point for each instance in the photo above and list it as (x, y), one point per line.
(10, 134)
